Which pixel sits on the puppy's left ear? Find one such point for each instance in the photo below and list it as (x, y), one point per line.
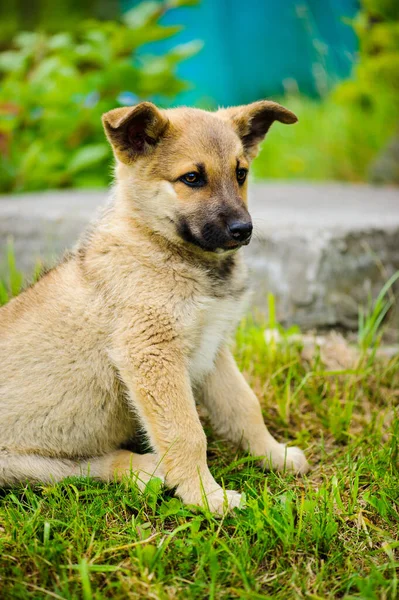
(252, 121)
(134, 131)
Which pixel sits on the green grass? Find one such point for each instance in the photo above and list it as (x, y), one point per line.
(12, 280)
(332, 534)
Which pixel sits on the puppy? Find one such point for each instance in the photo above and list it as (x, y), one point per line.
(132, 328)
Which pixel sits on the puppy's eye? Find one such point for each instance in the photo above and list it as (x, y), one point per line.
(193, 179)
(241, 175)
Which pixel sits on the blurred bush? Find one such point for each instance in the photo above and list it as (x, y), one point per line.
(377, 72)
(347, 135)
(54, 88)
(50, 16)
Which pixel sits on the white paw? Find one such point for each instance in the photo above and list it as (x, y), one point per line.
(220, 501)
(283, 458)
(296, 461)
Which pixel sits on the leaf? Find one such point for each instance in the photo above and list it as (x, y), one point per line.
(184, 51)
(88, 156)
(172, 507)
(143, 14)
(60, 41)
(27, 39)
(12, 61)
(180, 3)
(153, 33)
(51, 69)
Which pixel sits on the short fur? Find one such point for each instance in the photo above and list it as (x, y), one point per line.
(133, 327)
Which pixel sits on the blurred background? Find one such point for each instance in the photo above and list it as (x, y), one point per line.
(326, 238)
(333, 62)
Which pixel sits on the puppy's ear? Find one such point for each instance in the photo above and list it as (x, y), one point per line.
(252, 121)
(134, 131)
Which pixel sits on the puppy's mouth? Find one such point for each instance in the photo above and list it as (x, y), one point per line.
(232, 244)
(212, 239)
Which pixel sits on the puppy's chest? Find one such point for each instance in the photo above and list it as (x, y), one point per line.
(213, 324)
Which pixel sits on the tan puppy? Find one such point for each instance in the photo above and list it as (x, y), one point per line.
(132, 328)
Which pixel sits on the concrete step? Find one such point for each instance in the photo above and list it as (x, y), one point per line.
(321, 249)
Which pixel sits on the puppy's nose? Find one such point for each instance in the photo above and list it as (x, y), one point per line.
(240, 230)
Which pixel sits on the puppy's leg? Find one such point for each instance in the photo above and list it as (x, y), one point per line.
(20, 468)
(235, 414)
(156, 376)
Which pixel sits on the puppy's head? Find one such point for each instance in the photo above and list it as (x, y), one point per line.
(183, 171)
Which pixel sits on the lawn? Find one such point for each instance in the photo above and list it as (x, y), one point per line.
(331, 534)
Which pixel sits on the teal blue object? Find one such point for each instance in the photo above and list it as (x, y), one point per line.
(260, 48)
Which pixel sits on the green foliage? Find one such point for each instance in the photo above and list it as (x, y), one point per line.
(32, 15)
(12, 283)
(376, 77)
(339, 137)
(372, 317)
(54, 88)
(12, 280)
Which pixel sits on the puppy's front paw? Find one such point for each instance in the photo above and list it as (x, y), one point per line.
(283, 458)
(296, 461)
(222, 500)
(217, 500)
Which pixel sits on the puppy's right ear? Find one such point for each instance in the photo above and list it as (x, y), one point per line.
(134, 131)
